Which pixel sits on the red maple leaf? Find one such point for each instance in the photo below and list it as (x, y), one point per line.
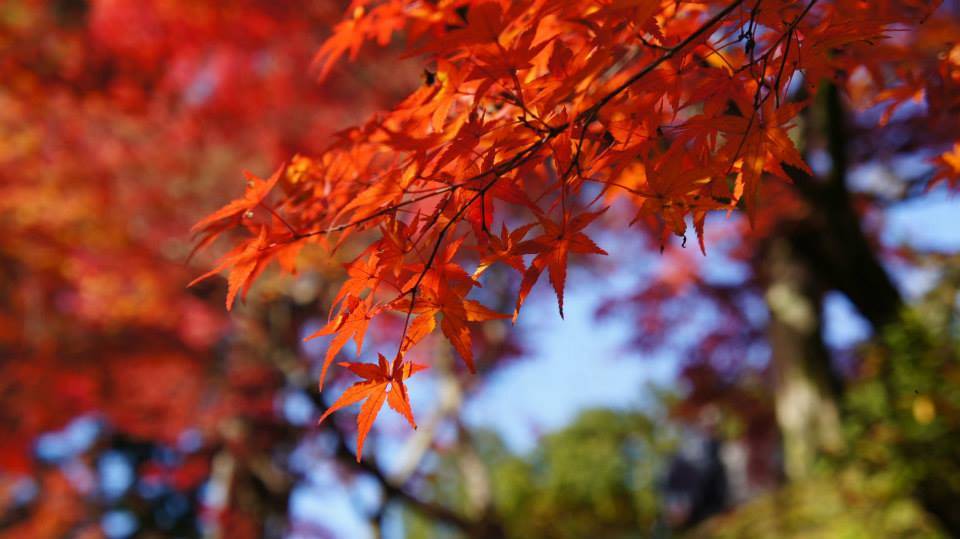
(553, 248)
(257, 190)
(381, 382)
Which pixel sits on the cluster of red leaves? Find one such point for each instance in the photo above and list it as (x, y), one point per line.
(531, 114)
(120, 121)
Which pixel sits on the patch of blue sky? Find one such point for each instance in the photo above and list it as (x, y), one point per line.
(929, 222)
(70, 441)
(116, 474)
(118, 524)
(574, 364)
(328, 509)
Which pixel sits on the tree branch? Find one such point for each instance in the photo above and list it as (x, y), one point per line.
(391, 489)
(842, 252)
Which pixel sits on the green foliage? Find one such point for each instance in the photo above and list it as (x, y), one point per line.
(595, 478)
(850, 505)
(903, 416)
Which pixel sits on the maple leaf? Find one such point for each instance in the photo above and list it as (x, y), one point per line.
(362, 275)
(761, 143)
(456, 313)
(484, 23)
(257, 190)
(349, 35)
(948, 168)
(450, 79)
(246, 261)
(443, 273)
(215, 224)
(553, 248)
(381, 382)
(446, 298)
(503, 249)
(351, 322)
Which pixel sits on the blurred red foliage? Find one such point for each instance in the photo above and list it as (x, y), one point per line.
(122, 121)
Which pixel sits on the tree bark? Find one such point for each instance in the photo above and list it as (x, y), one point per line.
(838, 250)
(806, 389)
(826, 250)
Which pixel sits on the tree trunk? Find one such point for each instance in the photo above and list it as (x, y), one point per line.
(806, 389)
(826, 250)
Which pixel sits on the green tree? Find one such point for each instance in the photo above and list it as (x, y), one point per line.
(596, 477)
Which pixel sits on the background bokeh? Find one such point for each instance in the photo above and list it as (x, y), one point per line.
(133, 406)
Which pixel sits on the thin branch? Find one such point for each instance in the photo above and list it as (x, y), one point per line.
(670, 53)
(428, 509)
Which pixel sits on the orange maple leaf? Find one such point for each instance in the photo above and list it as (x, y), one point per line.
(381, 382)
(948, 168)
(257, 190)
(352, 321)
(502, 249)
(553, 248)
(246, 261)
(456, 311)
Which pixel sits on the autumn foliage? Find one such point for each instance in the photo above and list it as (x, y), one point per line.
(534, 117)
(121, 122)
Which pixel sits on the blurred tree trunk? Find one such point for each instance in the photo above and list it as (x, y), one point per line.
(805, 388)
(825, 250)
